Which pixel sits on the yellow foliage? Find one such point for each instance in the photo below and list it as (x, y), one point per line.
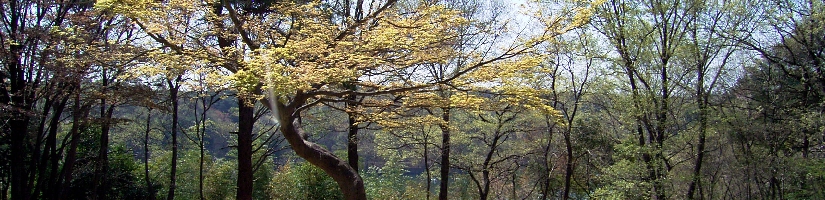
(302, 48)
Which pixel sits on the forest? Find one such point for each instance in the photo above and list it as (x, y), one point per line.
(412, 99)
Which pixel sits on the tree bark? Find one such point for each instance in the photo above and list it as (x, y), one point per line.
(245, 171)
(350, 183)
(352, 134)
(445, 155)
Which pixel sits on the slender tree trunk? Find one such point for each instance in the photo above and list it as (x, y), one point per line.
(245, 172)
(146, 155)
(51, 184)
(205, 105)
(546, 158)
(5, 174)
(568, 172)
(201, 134)
(701, 100)
(445, 155)
(103, 190)
(79, 114)
(515, 196)
(660, 131)
(485, 170)
(427, 163)
(174, 87)
(40, 157)
(101, 174)
(200, 167)
(641, 121)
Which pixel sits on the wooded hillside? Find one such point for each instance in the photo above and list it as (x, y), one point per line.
(412, 99)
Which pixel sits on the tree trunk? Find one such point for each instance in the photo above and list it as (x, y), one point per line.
(701, 100)
(350, 183)
(245, 172)
(101, 174)
(79, 113)
(174, 87)
(568, 172)
(103, 189)
(445, 155)
(352, 135)
(545, 190)
(40, 157)
(201, 131)
(149, 187)
(427, 164)
(18, 124)
(52, 150)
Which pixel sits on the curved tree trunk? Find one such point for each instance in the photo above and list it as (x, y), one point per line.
(350, 183)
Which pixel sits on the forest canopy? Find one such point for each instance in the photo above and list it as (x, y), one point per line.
(412, 99)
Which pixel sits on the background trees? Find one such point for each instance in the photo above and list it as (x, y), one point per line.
(187, 99)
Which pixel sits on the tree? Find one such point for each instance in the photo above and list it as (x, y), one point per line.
(710, 52)
(492, 141)
(22, 76)
(53, 54)
(647, 37)
(570, 82)
(298, 72)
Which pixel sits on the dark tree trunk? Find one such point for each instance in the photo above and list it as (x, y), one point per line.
(18, 124)
(427, 163)
(103, 153)
(79, 114)
(52, 156)
(445, 155)
(174, 87)
(149, 187)
(102, 171)
(245, 171)
(352, 143)
(352, 128)
(38, 161)
(352, 135)
(568, 172)
(201, 131)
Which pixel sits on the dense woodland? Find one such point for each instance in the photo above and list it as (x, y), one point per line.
(412, 99)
